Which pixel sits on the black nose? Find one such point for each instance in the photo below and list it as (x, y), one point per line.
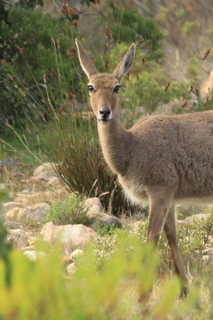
(104, 112)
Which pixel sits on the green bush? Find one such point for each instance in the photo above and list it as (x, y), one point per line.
(69, 211)
(145, 92)
(103, 229)
(129, 26)
(30, 80)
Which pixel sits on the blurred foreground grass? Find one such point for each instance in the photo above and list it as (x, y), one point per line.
(104, 286)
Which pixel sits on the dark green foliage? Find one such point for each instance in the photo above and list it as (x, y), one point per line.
(32, 58)
(148, 90)
(102, 229)
(130, 27)
(5, 7)
(29, 4)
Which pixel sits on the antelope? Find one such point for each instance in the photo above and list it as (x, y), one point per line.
(166, 160)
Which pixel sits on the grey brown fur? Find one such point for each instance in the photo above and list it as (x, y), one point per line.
(162, 159)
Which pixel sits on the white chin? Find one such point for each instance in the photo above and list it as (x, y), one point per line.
(105, 121)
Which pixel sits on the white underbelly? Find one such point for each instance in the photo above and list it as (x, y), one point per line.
(198, 201)
(133, 191)
(137, 195)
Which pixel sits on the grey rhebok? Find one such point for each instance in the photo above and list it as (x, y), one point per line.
(163, 159)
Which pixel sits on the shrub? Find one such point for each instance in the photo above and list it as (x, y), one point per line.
(129, 26)
(103, 229)
(69, 211)
(31, 60)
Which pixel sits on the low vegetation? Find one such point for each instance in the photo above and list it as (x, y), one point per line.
(113, 280)
(69, 211)
(43, 118)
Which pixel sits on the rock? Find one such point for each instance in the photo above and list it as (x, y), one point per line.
(103, 218)
(110, 221)
(77, 234)
(13, 214)
(46, 196)
(48, 231)
(45, 176)
(44, 172)
(54, 182)
(94, 206)
(71, 268)
(75, 254)
(197, 217)
(3, 187)
(9, 162)
(21, 239)
(10, 205)
(70, 235)
(208, 252)
(137, 225)
(37, 213)
(182, 222)
(95, 213)
(206, 260)
(33, 255)
(208, 256)
(13, 225)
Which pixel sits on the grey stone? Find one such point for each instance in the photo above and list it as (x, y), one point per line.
(44, 172)
(71, 268)
(13, 225)
(94, 206)
(70, 235)
(110, 221)
(96, 214)
(10, 205)
(75, 254)
(36, 212)
(197, 217)
(33, 255)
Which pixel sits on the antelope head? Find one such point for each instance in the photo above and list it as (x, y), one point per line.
(104, 87)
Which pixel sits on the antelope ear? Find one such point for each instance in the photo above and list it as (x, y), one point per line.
(125, 64)
(86, 63)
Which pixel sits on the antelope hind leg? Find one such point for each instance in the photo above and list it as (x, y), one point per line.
(171, 234)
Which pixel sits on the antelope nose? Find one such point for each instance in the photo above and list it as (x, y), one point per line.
(105, 112)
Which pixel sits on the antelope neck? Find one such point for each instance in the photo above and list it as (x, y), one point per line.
(115, 142)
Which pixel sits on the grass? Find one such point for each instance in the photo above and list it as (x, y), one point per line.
(27, 145)
(111, 274)
(69, 211)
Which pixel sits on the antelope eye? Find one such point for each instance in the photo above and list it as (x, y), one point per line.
(91, 88)
(117, 88)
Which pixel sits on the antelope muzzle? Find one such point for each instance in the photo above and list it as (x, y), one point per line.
(105, 114)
